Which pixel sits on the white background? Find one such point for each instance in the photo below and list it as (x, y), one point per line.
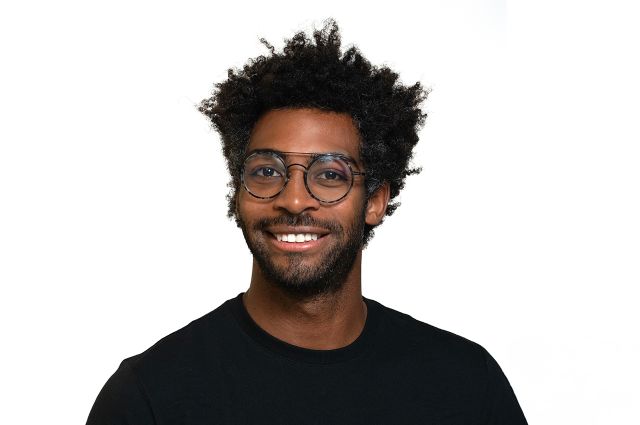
(521, 233)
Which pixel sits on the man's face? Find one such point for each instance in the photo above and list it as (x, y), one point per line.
(320, 265)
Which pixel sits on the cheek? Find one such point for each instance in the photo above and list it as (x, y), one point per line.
(245, 212)
(245, 203)
(349, 212)
(250, 210)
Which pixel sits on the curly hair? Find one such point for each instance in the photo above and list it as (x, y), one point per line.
(315, 73)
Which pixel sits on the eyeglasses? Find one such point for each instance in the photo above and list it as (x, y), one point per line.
(328, 177)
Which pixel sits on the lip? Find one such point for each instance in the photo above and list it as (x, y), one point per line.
(296, 246)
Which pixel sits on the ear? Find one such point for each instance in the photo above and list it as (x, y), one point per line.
(377, 205)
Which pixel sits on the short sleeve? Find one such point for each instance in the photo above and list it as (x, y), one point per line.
(502, 407)
(122, 401)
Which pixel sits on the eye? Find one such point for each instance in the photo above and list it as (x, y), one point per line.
(330, 171)
(329, 178)
(330, 175)
(266, 172)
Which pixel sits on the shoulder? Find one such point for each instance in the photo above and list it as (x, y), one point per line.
(458, 369)
(414, 331)
(184, 347)
(414, 338)
(171, 372)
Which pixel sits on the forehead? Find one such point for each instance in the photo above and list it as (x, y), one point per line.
(306, 130)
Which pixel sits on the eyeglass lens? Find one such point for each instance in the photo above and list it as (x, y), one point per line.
(328, 177)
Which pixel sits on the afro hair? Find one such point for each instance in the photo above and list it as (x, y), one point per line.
(315, 73)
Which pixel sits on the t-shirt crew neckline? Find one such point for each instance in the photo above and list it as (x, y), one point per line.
(307, 355)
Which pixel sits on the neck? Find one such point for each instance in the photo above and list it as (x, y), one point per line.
(324, 322)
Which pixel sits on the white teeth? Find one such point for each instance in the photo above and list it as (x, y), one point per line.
(299, 237)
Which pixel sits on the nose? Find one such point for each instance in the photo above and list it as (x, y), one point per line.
(295, 198)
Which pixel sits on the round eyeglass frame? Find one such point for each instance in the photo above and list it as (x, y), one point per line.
(316, 157)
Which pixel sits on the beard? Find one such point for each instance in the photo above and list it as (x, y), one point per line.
(299, 279)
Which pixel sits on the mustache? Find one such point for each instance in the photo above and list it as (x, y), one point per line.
(297, 220)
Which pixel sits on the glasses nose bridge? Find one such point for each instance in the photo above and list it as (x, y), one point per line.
(303, 169)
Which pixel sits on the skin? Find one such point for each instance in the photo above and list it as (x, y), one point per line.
(330, 320)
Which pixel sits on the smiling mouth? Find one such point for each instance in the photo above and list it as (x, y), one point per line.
(297, 237)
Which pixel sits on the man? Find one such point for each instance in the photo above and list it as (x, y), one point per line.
(317, 143)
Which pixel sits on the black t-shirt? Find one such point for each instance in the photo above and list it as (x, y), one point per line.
(224, 369)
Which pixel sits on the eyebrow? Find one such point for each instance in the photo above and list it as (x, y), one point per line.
(313, 155)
